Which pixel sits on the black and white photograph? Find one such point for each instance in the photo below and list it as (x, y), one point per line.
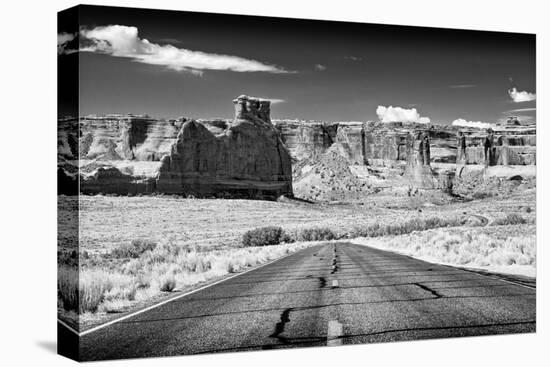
(236, 183)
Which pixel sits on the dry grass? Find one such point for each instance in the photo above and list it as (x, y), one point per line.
(109, 222)
(191, 241)
(509, 219)
(416, 224)
(166, 268)
(482, 247)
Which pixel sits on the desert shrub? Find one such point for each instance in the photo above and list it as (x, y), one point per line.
(288, 238)
(316, 234)
(133, 250)
(84, 290)
(265, 236)
(417, 224)
(509, 219)
(92, 288)
(69, 258)
(67, 287)
(167, 283)
(478, 195)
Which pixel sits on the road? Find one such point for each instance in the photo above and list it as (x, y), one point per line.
(329, 294)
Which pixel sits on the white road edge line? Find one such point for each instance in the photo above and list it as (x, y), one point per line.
(67, 326)
(490, 276)
(334, 332)
(99, 327)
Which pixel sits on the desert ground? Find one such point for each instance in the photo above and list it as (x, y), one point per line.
(135, 251)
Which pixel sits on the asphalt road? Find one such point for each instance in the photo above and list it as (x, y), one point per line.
(329, 294)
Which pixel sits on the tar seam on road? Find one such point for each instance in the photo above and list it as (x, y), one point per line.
(280, 326)
(80, 334)
(428, 289)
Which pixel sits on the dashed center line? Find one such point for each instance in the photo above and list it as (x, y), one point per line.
(334, 333)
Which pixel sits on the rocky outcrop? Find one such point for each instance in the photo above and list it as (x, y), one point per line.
(418, 172)
(251, 156)
(126, 137)
(306, 139)
(240, 158)
(246, 159)
(393, 153)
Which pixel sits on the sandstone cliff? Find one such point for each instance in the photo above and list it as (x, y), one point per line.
(387, 154)
(242, 158)
(251, 156)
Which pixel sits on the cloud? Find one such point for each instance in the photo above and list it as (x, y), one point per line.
(522, 110)
(462, 86)
(272, 100)
(63, 40)
(123, 41)
(353, 58)
(320, 67)
(523, 96)
(398, 114)
(477, 124)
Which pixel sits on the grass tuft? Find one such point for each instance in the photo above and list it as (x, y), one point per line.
(133, 250)
(510, 219)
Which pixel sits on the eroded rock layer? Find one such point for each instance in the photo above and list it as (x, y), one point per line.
(251, 156)
(239, 158)
(247, 159)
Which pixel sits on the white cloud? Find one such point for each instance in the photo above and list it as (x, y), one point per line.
(476, 124)
(529, 109)
(523, 96)
(62, 40)
(320, 67)
(353, 58)
(272, 100)
(398, 114)
(461, 86)
(123, 41)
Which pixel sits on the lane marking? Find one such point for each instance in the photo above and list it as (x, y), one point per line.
(335, 330)
(99, 327)
(335, 283)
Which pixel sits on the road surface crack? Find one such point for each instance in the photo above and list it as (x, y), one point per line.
(428, 289)
(280, 326)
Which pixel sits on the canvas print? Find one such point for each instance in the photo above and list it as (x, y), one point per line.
(239, 183)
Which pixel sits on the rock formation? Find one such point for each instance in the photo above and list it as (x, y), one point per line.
(129, 137)
(247, 159)
(384, 150)
(419, 171)
(251, 156)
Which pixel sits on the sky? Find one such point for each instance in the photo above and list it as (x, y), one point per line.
(170, 64)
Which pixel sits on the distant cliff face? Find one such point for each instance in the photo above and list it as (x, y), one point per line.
(128, 137)
(243, 157)
(416, 155)
(251, 156)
